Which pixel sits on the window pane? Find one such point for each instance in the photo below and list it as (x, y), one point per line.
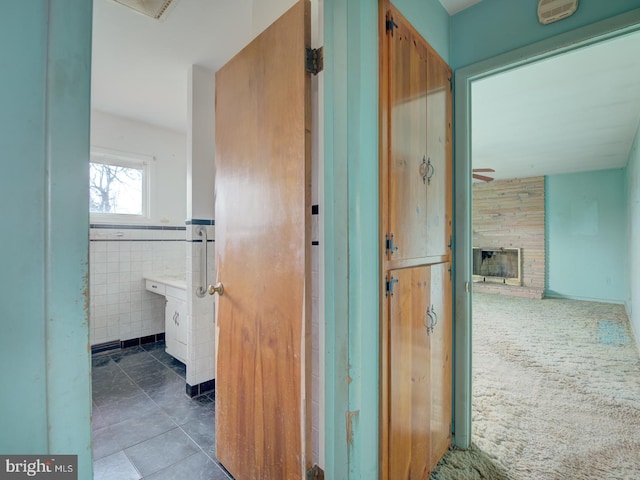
(115, 189)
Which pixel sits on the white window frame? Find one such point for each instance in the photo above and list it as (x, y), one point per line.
(128, 160)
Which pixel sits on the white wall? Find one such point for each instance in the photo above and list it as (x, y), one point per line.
(633, 232)
(264, 13)
(201, 209)
(168, 172)
(120, 307)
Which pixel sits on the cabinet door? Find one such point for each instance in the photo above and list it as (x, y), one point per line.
(170, 326)
(409, 373)
(175, 319)
(182, 329)
(181, 320)
(438, 156)
(441, 361)
(407, 154)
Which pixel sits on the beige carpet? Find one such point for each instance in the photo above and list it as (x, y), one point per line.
(556, 393)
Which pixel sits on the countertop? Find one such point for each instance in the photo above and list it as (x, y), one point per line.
(177, 281)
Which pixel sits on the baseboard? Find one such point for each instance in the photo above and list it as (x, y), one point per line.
(560, 296)
(135, 342)
(105, 347)
(634, 331)
(201, 389)
(120, 344)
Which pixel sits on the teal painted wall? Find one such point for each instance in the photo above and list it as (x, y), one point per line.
(45, 404)
(352, 286)
(22, 143)
(492, 27)
(586, 219)
(632, 174)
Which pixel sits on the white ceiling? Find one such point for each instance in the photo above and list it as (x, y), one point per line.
(575, 112)
(139, 65)
(455, 6)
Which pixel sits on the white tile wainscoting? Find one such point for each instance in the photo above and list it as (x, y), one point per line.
(201, 351)
(119, 256)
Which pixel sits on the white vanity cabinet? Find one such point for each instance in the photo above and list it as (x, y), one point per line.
(176, 322)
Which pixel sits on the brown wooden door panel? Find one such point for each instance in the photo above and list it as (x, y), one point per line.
(408, 144)
(416, 365)
(262, 253)
(410, 371)
(441, 361)
(438, 146)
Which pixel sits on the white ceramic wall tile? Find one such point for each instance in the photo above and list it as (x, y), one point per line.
(201, 364)
(120, 306)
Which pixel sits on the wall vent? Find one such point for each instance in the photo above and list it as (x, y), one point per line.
(151, 8)
(550, 11)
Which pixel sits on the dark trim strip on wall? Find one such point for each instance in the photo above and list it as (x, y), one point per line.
(108, 226)
(195, 221)
(135, 240)
(120, 344)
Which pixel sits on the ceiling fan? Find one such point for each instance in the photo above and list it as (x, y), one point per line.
(484, 178)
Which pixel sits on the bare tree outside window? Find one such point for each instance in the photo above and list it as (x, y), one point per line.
(116, 189)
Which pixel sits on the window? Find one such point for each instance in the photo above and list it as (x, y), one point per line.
(118, 185)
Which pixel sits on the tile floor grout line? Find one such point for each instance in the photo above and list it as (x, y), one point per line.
(215, 461)
(122, 373)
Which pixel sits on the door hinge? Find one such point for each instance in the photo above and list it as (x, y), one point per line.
(450, 245)
(315, 60)
(390, 247)
(451, 84)
(390, 24)
(389, 284)
(315, 473)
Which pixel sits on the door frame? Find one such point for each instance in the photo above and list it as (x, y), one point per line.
(595, 33)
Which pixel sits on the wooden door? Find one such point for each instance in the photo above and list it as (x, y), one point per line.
(415, 223)
(441, 364)
(410, 374)
(438, 156)
(262, 253)
(407, 155)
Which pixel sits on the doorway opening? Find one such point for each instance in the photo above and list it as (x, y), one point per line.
(129, 309)
(503, 336)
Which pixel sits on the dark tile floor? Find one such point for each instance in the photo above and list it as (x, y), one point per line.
(144, 425)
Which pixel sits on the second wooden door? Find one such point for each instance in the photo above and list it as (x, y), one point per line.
(262, 254)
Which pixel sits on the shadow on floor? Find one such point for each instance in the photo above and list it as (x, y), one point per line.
(471, 464)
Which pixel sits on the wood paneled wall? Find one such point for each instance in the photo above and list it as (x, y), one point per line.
(510, 213)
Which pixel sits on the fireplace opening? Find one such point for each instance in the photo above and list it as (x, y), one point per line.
(497, 265)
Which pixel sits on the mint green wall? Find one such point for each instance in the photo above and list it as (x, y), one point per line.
(633, 235)
(45, 404)
(22, 144)
(586, 226)
(351, 242)
(493, 27)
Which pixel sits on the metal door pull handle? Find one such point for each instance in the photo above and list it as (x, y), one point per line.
(217, 288)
